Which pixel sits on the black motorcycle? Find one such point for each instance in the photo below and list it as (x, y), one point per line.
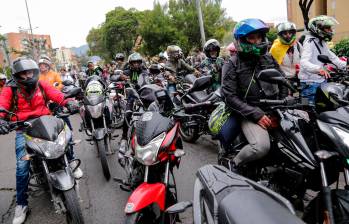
(223, 197)
(199, 105)
(48, 140)
(96, 114)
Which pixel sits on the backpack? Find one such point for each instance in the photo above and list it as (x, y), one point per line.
(218, 118)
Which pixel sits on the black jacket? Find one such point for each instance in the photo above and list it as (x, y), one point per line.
(237, 74)
(140, 77)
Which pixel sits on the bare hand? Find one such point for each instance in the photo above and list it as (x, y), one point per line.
(264, 122)
(325, 73)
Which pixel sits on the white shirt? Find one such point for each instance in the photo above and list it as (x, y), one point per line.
(310, 65)
(288, 65)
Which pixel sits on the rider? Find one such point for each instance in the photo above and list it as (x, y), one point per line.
(90, 69)
(3, 79)
(312, 72)
(242, 91)
(120, 58)
(138, 76)
(162, 58)
(213, 63)
(47, 75)
(25, 95)
(177, 65)
(286, 50)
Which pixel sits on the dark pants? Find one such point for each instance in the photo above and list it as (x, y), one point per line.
(229, 131)
(22, 170)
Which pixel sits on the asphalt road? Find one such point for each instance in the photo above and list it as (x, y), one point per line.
(102, 201)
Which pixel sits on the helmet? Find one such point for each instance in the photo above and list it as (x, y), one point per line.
(154, 69)
(173, 52)
(282, 28)
(119, 56)
(318, 24)
(44, 59)
(135, 57)
(211, 45)
(112, 62)
(248, 26)
(22, 64)
(162, 56)
(2, 76)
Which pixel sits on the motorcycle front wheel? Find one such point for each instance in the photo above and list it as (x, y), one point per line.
(102, 149)
(189, 134)
(74, 213)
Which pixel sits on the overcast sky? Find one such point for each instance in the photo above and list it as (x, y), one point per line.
(69, 21)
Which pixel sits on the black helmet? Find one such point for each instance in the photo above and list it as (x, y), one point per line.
(135, 57)
(22, 64)
(211, 45)
(119, 56)
(154, 69)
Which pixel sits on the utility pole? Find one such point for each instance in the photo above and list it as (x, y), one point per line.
(201, 22)
(31, 32)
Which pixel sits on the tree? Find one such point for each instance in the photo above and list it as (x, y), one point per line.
(342, 48)
(305, 7)
(272, 35)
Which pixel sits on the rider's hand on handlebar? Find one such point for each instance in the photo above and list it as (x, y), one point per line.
(325, 73)
(123, 77)
(197, 73)
(264, 122)
(72, 106)
(4, 127)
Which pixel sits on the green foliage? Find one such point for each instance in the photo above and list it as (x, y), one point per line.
(342, 48)
(173, 23)
(272, 35)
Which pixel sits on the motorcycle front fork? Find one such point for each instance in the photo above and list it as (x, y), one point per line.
(326, 195)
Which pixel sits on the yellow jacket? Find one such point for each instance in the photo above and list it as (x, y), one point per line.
(278, 50)
(51, 78)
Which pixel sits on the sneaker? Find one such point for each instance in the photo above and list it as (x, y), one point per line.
(20, 214)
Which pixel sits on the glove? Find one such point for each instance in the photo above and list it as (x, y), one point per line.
(72, 106)
(4, 127)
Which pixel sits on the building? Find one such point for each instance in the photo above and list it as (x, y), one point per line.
(335, 8)
(23, 43)
(65, 57)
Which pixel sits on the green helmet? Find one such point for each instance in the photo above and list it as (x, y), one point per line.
(284, 27)
(318, 24)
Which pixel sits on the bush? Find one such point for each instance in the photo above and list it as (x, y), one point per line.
(342, 48)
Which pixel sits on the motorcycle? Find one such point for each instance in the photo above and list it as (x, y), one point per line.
(96, 114)
(301, 157)
(221, 196)
(154, 149)
(118, 96)
(48, 141)
(197, 124)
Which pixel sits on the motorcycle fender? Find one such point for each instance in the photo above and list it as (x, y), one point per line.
(145, 195)
(62, 179)
(99, 133)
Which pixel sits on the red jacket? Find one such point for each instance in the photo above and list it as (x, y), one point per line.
(37, 105)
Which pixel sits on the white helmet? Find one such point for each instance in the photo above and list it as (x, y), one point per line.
(44, 59)
(2, 76)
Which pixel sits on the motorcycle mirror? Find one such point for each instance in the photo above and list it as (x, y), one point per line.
(275, 77)
(324, 59)
(179, 207)
(72, 93)
(67, 83)
(201, 83)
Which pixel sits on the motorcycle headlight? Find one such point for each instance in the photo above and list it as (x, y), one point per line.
(96, 110)
(53, 150)
(147, 154)
(343, 135)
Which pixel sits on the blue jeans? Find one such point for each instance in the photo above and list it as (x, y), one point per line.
(308, 90)
(229, 131)
(22, 170)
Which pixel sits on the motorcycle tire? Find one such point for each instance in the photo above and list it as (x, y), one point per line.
(74, 213)
(102, 149)
(118, 117)
(190, 137)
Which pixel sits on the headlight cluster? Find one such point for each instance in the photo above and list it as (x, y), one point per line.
(53, 150)
(147, 154)
(95, 111)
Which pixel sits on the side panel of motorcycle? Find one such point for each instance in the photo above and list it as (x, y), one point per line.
(145, 195)
(62, 179)
(99, 133)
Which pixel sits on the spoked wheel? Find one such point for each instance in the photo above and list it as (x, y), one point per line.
(189, 134)
(102, 148)
(74, 213)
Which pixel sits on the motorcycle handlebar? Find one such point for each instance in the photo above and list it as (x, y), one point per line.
(191, 106)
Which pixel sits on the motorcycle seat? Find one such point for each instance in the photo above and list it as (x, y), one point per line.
(335, 117)
(201, 96)
(251, 206)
